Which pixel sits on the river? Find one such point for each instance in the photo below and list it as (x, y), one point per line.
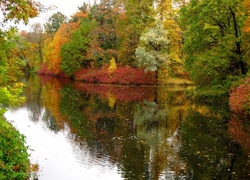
(81, 131)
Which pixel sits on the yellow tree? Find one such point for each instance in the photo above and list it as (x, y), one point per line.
(168, 15)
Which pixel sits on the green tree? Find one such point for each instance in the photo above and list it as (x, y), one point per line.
(213, 41)
(76, 53)
(54, 22)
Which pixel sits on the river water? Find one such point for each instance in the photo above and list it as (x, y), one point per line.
(81, 131)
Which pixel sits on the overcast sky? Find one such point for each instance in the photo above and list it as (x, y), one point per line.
(67, 7)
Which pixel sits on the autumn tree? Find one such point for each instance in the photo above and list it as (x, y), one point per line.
(213, 41)
(105, 40)
(52, 52)
(168, 14)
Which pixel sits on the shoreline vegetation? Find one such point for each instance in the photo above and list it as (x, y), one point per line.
(122, 75)
(14, 159)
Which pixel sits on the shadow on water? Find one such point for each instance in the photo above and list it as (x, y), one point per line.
(146, 132)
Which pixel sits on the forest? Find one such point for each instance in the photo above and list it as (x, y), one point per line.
(151, 42)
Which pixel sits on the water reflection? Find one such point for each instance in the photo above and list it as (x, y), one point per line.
(82, 130)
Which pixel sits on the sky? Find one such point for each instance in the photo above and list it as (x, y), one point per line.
(67, 7)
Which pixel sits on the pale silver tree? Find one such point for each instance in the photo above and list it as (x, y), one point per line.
(152, 50)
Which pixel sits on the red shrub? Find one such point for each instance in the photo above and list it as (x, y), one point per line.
(128, 75)
(45, 71)
(122, 75)
(239, 99)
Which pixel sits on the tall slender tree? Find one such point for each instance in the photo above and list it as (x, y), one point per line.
(54, 22)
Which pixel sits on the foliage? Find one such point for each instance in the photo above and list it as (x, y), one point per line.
(213, 41)
(246, 32)
(44, 69)
(34, 42)
(104, 44)
(239, 98)
(112, 65)
(19, 10)
(152, 52)
(14, 162)
(115, 33)
(10, 90)
(75, 54)
(122, 75)
(169, 15)
(54, 22)
(136, 17)
(62, 36)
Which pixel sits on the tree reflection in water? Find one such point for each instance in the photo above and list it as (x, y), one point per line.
(148, 132)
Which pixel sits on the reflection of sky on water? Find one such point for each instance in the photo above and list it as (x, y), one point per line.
(58, 156)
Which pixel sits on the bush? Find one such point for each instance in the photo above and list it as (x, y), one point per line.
(14, 162)
(239, 98)
(122, 75)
